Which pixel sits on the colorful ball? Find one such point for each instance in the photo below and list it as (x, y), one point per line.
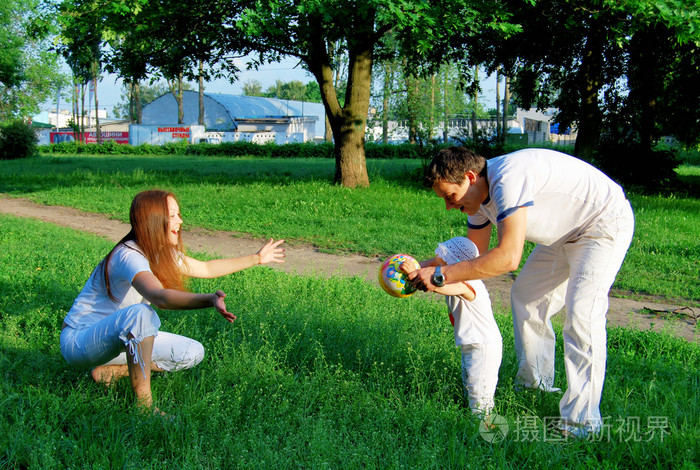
(393, 280)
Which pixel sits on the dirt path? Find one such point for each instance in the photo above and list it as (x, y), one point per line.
(677, 319)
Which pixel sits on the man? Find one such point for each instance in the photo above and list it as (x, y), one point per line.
(582, 225)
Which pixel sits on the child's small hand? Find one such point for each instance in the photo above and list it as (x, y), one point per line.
(406, 268)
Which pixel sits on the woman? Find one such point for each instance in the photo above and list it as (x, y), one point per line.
(112, 326)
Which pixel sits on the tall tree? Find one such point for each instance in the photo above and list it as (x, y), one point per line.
(160, 38)
(29, 72)
(574, 55)
(312, 31)
(252, 88)
(81, 43)
(663, 72)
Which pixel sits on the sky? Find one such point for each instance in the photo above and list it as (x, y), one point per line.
(110, 89)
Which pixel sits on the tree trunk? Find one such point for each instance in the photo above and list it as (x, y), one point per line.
(388, 79)
(76, 112)
(176, 90)
(646, 88)
(589, 86)
(328, 137)
(180, 104)
(347, 122)
(132, 103)
(432, 107)
(506, 105)
(499, 134)
(139, 106)
(445, 109)
(82, 112)
(351, 166)
(98, 133)
(200, 121)
(412, 96)
(475, 99)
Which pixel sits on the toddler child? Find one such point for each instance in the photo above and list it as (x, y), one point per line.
(475, 329)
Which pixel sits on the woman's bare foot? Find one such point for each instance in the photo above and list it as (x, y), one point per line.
(152, 410)
(108, 375)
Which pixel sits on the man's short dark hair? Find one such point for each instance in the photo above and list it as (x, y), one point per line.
(451, 165)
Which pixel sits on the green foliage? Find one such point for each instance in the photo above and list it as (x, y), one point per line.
(393, 151)
(269, 150)
(689, 156)
(30, 73)
(243, 149)
(631, 164)
(316, 372)
(17, 140)
(112, 148)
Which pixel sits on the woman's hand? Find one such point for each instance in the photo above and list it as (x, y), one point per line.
(220, 306)
(270, 252)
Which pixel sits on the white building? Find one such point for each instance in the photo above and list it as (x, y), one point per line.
(538, 126)
(62, 118)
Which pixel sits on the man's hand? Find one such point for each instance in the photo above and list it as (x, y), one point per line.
(421, 279)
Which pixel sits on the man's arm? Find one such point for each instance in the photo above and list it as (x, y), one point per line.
(503, 258)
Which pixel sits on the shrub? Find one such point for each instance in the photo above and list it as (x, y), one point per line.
(632, 165)
(17, 140)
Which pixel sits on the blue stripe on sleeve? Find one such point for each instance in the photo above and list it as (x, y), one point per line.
(508, 212)
(484, 225)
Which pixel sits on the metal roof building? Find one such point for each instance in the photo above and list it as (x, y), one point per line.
(230, 113)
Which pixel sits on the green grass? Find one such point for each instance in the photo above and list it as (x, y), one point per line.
(690, 174)
(664, 257)
(315, 373)
(296, 200)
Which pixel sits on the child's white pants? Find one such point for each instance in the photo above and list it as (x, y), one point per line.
(577, 275)
(480, 365)
(104, 342)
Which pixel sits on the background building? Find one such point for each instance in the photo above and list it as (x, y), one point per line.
(230, 118)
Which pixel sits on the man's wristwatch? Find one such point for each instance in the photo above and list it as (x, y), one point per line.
(438, 278)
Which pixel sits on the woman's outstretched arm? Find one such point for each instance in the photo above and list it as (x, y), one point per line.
(269, 253)
(150, 287)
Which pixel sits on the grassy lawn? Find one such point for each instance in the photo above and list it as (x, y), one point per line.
(295, 200)
(315, 373)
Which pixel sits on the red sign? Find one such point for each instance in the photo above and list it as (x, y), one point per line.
(89, 137)
(176, 132)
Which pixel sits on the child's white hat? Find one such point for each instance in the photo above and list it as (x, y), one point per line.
(456, 249)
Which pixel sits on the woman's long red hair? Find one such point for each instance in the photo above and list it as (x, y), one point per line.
(149, 229)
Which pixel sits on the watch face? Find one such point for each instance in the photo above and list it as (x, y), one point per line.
(438, 279)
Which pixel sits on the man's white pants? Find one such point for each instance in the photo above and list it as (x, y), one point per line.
(577, 275)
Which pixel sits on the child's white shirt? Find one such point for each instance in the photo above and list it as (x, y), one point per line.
(473, 320)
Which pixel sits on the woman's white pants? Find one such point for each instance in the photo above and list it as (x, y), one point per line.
(105, 342)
